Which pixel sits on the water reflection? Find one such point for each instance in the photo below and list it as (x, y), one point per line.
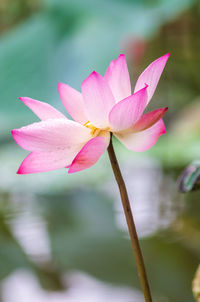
(29, 228)
(50, 236)
(150, 193)
(22, 286)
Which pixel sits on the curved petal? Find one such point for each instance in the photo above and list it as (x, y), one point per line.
(43, 110)
(51, 135)
(37, 162)
(125, 113)
(89, 154)
(117, 76)
(149, 119)
(151, 75)
(144, 140)
(73, 102)
(98, 99)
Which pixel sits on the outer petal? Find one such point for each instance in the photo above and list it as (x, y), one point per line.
(47, 161)
(149, 119)
(98, 99)
(125, 113)
(73, 102)
(143, 140)
(51, 135)
(89, 154)
(117, 76)
(151, 75)
(43, 110)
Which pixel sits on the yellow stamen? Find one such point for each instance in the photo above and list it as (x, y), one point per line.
(94, 130)
(86, 123)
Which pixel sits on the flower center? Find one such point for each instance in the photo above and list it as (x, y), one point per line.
(96, 131)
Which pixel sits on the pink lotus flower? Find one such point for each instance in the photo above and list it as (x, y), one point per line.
(106, 105)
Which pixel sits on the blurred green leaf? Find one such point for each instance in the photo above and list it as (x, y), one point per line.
(60, 43)
(190, 178)
(196, 285)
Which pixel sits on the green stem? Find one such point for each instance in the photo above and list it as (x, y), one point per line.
(131, 225)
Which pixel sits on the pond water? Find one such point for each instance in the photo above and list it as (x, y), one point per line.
(73, 245)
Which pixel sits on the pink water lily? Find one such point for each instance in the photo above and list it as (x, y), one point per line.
(105, 106)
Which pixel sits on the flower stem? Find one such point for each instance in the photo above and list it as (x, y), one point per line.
(131, 225)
